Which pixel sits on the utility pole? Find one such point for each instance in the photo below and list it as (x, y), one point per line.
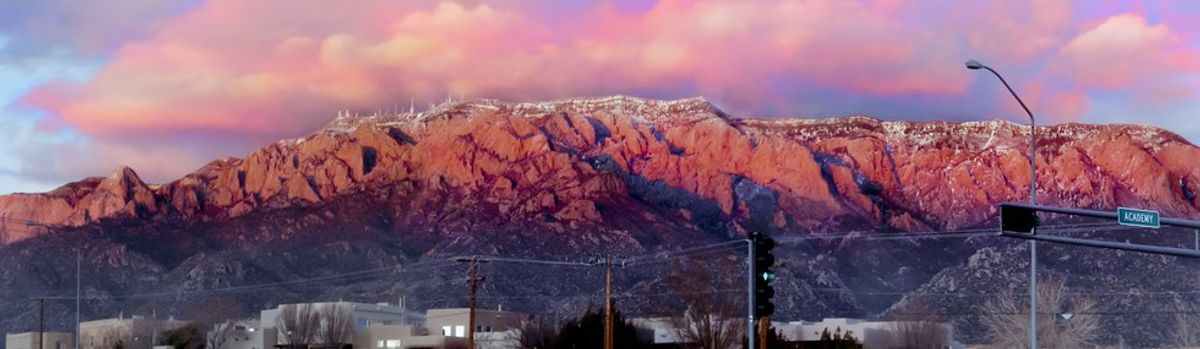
(608, 304)
(42, 325)
(473, 280)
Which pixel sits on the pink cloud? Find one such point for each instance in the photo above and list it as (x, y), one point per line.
(259, 73)
(1124, 51)
(235, 66)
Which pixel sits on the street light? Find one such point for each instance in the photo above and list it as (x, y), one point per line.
(975, 65)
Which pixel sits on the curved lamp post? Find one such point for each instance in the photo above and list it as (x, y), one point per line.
(975, 65)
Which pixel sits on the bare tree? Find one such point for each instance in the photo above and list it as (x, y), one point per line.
(219, 334)
(1007, 318)
(298, 324)
(537, 332)
(336, 326)
(1187, 327)
(917, 327)
(711, 319)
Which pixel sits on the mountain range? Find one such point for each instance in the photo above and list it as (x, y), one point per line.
(568, 180)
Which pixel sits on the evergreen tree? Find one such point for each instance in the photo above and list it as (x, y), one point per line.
(186, 337)
(587, 332)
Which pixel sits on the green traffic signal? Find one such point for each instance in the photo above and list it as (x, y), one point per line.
(768, 276)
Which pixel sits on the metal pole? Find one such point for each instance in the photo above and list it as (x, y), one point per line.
(1032, 243)
(1032, 200)
(78, 261)
(750, 293)
(608, 311)
(1198, 239)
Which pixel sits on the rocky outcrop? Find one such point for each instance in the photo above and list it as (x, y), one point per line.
(569, 162)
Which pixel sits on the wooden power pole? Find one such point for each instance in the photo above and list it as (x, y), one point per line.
(473, 281)
(608, 304)
(42, 325)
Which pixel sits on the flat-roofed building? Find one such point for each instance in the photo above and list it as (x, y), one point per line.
(30, 340)
(241, 334)
(136, 332)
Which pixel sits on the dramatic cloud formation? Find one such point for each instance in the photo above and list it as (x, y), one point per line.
(180, 83)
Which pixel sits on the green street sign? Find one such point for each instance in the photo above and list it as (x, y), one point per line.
(1137, 218)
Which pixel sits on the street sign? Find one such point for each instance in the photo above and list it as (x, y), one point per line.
(1137, 218)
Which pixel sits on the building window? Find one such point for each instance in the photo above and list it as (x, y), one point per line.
(393, 343)
(446, 331)
(460, 331)
(379, 344)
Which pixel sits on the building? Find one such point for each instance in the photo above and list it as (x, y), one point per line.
(364, 314)
(135, 332)
(453, 322)
(30, 340)
(447, 328)
(871, 334)
(385, 326)
(657, 330)
(241, 334)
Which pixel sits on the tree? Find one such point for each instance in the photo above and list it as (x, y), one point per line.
(336, 327)
(587, 332)
(775, 340)
(711, 319)
(917, 327)
(838, 339)
(537, 332)
(220, 332)
(119, 339)
(1187, 326)
(1006, 318)
(298, 324)
(185, 337)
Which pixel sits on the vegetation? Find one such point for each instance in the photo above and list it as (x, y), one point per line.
(587, 332)
(711, 319)
(837, 340)
(186, 337)
(1007, 319)
(538, 332)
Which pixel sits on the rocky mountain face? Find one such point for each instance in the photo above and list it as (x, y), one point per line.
(570, 179)
(557, 164)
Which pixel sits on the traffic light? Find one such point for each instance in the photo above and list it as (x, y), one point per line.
(1018, 218)
(763, 276)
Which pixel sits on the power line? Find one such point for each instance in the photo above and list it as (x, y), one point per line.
(258, 287)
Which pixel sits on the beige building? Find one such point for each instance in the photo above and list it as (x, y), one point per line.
(446, 328)
(135, 332)
(871, 334)
(453, 322)
(385, 326)
(29, 340)
(241, 334)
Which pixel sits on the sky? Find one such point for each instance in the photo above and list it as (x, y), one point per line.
(165, 86)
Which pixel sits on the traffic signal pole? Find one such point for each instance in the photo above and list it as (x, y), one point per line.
(750, 292)
(761, 292)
